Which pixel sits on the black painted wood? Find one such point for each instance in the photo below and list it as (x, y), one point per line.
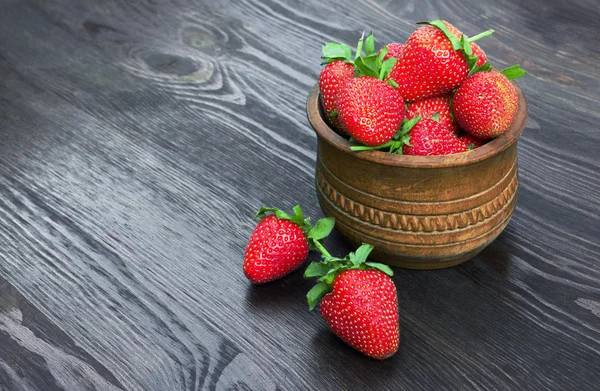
(137, 138)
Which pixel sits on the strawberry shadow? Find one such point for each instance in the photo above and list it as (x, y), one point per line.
(331, 353)
(282, 295)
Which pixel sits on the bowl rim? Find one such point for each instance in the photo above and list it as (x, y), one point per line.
(491, 149)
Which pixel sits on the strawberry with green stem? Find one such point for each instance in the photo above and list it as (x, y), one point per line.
(280, 243)
(364, 106)
(436, 59)
(370, 109)
(358, 301)
(486, 102)
(395, 145)
(421, 137)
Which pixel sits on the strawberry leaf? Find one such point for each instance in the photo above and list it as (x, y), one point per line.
(471, 147)
(436, 117)
(297, 218)
(336, 51)
(386, 67)
(369, 44)
(314, 295)
(358, 148)
(361, 254)
(359, 47)
(322, 228)
(451, 37)
(382, 53)
(316, 269)
(262, 213)
(513, 72)
(408, 124)
(466, 45)
(381, 267)
(392, 83)
(406, 140)
(365, 67)
(485, 67)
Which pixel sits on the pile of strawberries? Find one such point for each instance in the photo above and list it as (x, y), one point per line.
(359, 300)
(434, 95)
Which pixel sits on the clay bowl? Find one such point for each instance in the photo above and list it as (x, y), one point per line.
(422, 212)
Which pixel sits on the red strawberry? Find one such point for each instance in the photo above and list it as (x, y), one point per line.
(332, 78)
(362, 307)
(427, 107)
(362, 310)
(481, 57)
(471, 142)
(370, 110)
(279, 244)
(485, 104)
(428, 138)
(394, 50)
(433, 61)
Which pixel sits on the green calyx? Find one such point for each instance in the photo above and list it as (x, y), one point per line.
(513, 72)
(369, 63)
(463, 44)
(314, 234)
(330, 267)
(401, 138)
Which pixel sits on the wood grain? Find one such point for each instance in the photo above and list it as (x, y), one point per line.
(139, 137)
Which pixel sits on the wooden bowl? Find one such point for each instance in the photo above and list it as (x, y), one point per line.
(421, 212)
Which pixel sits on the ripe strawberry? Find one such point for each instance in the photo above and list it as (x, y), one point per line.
(481, 57)
(361, 307)
(393, 50)
(471, 142)
(370, 110)
(427, 107)
(435, 60)
(332, 78)
(428, 138)
(485, 104)
(280, 243)
(342, 66)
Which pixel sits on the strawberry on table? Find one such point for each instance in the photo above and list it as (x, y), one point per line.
(279, 243)
(486, 102)
(428, 107)
(435, 60)
(359, 301)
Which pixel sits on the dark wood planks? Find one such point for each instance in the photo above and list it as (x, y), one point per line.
(138, 138)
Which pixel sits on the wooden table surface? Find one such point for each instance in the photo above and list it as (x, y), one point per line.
(138, 138)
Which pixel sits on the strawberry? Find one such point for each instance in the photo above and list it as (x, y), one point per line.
(359, 301)
(471, 142)
(331, 79)
(342, 67)
(435, 60)
(427, 107)
(370, 110)
(486, 102)
(428, 137)
(280, 243)
(393, 50)
(481, 57)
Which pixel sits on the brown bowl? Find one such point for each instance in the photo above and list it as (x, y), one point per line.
(422, 212)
